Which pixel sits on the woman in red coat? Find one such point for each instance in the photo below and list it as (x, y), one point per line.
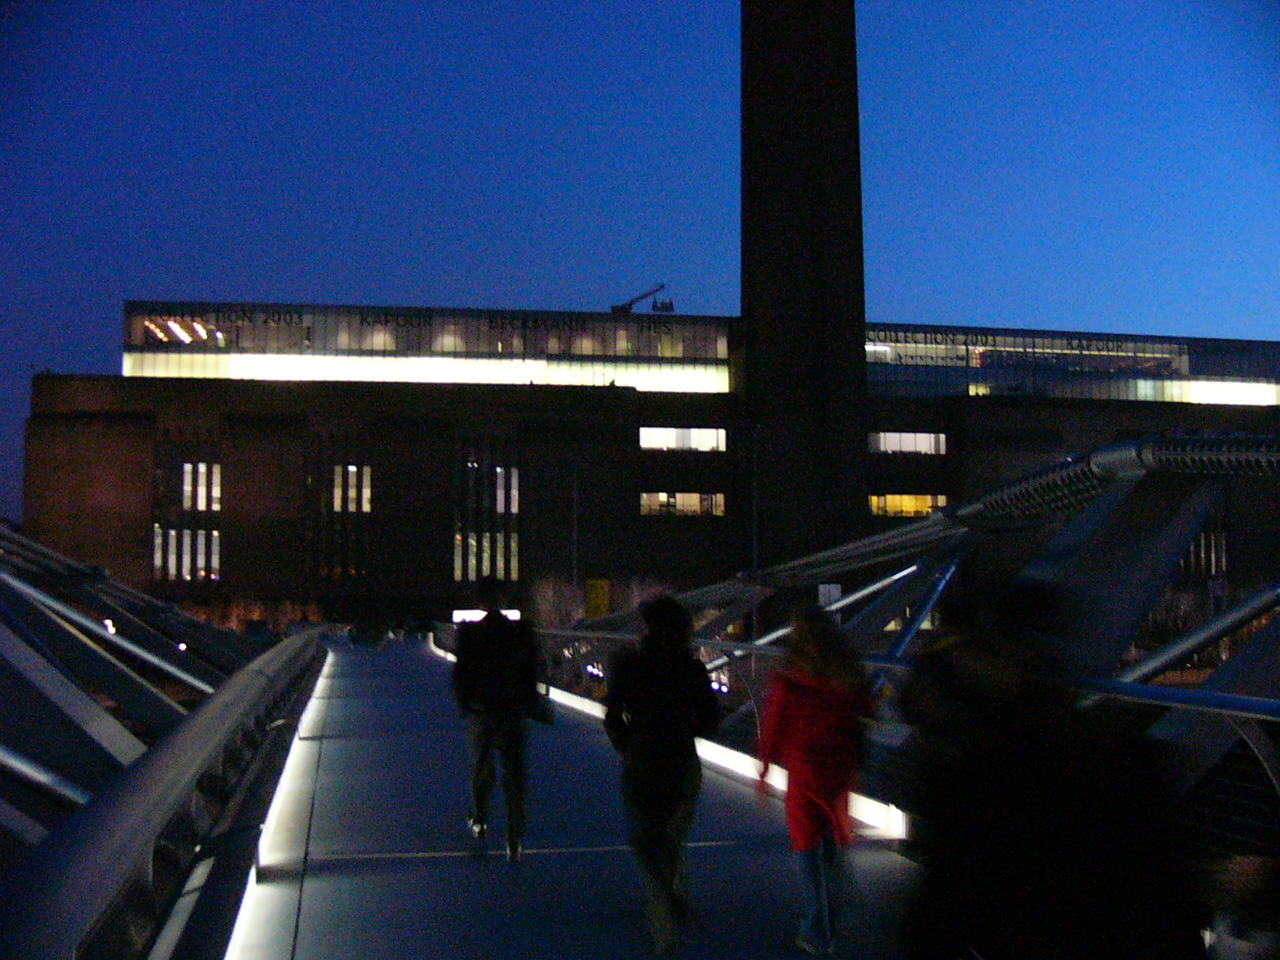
(812, 727)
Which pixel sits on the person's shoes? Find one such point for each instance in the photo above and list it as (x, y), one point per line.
(811, 949)
(476, 828)
(515, 851)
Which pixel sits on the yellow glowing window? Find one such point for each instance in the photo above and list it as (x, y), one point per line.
(352, 488)
(905, 504)
(682, 504)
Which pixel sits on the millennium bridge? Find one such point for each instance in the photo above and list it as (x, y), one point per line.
(172, 789)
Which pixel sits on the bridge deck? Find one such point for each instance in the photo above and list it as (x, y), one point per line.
(365, 854)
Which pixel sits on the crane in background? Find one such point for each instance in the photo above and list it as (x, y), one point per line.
(658, 306)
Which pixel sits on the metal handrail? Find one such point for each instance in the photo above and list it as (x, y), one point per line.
(58, 896)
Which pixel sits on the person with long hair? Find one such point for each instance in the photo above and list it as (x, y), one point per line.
(816, 704)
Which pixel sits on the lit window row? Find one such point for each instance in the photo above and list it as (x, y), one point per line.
(486, 539)
(352, 488)
(486, 554)
(202, 487)
(704, 439)
(186, 554)
(682, 504)
(905, 504)
(277, 329)
(929, 443)
(660, 376)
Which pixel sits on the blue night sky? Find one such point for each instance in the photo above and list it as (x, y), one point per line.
(1108, 165)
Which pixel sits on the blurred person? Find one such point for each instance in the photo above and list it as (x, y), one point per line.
(495, 684)
(1042, 828)
(812, 726)
(659, 700)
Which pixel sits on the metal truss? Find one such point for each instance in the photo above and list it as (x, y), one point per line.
(129, 734)
(1124, 517)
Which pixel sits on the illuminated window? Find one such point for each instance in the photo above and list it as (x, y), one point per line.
(186, 554)
(157, 542)
(905, 504)
(682, 504)
(928, 443)
(352, 488)
(979, 389)
(202, 487)
(215, 555)
(704, 439)
(487, 513)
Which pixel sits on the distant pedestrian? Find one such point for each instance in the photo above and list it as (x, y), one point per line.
(495, 684)
(659, 700)
(816, 705)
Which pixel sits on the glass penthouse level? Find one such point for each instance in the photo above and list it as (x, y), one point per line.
(919, 361)
(670, 353)
(426, 345)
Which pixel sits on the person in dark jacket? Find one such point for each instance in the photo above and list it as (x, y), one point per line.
(659, 700)
(495, 684)
(812, 727)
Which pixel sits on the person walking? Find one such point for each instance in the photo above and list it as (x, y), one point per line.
(495, 684)
(659, 700)
(812, 726)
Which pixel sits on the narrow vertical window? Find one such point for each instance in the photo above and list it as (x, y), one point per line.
(337, 489)
(457, 554)
(500, 565)
(215, 487)
(500, 491)
(514, 503)
(471, 555)
(215, 555)
(201, 568)
(202, 487)
(186, 554)
(366, 490)
(157, 545)
(173, 554)
(186, 486)
(515, 556)
(485, 556)
(352, 483)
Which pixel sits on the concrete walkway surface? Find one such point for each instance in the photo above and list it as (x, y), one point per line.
(365, 856)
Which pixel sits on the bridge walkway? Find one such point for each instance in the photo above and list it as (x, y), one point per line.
(365, 855)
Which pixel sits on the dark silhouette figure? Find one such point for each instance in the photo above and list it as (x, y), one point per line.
(1043, 828)
(812, 726)
(659, 700)
(495, 684)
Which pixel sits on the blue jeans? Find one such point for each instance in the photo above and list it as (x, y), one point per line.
(820, 868)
